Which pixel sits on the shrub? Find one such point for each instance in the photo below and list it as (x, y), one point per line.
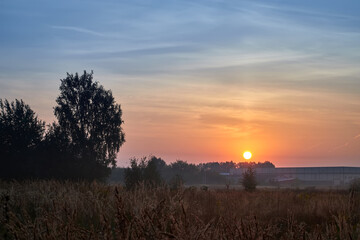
(249, 180)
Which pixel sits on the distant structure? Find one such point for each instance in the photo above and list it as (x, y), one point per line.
(303, 176)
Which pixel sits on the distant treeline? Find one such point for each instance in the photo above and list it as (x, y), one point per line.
(154, 171)
(81, 145)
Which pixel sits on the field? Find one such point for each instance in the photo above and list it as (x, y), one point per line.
(55, 210)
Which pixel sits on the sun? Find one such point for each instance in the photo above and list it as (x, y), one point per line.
(247, 155)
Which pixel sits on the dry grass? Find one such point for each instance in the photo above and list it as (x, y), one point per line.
(54, 210)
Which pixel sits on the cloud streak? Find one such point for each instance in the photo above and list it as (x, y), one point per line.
(79, 30)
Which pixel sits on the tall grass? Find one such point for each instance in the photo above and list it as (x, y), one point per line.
(54, 210)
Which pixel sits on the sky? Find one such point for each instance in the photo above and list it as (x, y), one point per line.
(200, 80)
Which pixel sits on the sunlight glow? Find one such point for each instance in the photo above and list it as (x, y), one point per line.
(247, 155)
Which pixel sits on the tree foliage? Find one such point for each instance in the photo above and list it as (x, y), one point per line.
(89, 122)
(144, 171)
(21, 133)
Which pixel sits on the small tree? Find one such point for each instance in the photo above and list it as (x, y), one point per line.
(133, 175)
(143, 171)
(152, 176)
(249, 179)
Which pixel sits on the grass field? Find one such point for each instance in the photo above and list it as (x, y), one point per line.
(54, 210)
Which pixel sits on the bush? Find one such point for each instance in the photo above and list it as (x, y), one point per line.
(249, 180)
(355, 185)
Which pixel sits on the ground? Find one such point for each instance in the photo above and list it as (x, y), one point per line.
(66, 210)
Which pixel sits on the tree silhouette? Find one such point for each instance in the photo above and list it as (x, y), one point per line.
(188, 172)
(152, 175)
(20, 135)
(89, 122)
(58, 160)
(144, 171)
(249, 179)
(133, 175)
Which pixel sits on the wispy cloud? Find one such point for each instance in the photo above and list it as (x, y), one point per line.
(79, 30)
(306, 12)
(217, 59)
(146, 51)
(346, 144)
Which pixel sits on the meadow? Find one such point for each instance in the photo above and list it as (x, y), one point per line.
(68, 210)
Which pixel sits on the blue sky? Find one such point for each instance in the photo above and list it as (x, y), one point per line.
(210, 71)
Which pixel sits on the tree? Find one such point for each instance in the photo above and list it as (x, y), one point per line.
(144, 171)
(152, 170)
(265, 164)
(59, 161)
(20, 135)
(134, 174)
(249, 179)
(91, 121)
(189, 173)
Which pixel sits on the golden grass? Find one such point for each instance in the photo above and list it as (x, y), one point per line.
(54, 210)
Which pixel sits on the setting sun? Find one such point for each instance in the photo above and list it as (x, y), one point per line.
(247, 155)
